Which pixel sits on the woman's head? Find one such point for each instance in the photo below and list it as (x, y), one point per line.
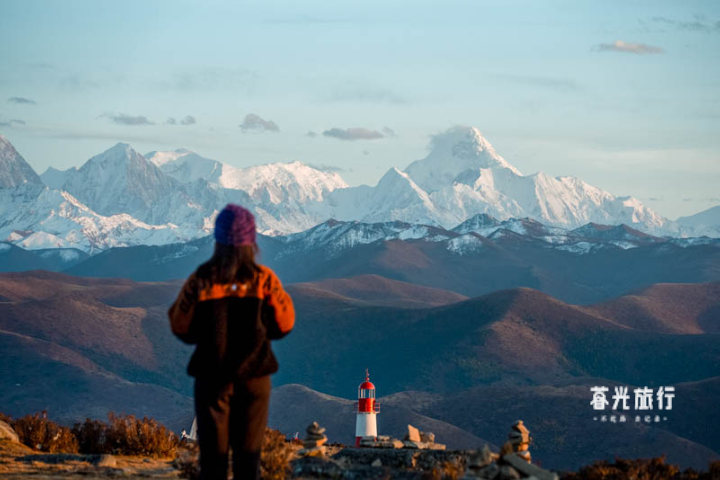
(235, 226)
(235, 247)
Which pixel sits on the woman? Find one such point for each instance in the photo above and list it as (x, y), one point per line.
(231, 308)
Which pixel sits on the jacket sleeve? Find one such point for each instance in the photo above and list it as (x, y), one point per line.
(183, 309)
(278, 308)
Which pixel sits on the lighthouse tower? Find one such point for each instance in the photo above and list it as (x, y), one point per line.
(367, 409)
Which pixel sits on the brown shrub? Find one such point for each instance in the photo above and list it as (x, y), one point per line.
(38, 432)
(5, 418)
(128, 435)
(641, 469)
(275, 456)
(91, 436)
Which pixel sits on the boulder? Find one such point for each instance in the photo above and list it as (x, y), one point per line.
(427, 437)
(7, 432)
(413, 434)
(528, 469)
(105, 460)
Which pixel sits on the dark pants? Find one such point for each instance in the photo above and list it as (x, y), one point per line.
(234, 415)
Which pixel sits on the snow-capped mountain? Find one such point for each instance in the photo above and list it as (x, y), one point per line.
(463, 175)
(37, 217)
(705, 223)
(14, 170)
(121, 197)
(457, 150)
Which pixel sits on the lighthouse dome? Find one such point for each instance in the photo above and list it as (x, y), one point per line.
(367, 385)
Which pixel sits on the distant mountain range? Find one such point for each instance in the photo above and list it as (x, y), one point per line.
(479, 256)
(123, 198)
(463, 368)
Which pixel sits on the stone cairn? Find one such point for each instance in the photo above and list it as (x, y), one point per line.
(519, 439)
(513, 461)
(314, 443)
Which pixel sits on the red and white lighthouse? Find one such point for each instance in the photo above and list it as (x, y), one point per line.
(367, 409)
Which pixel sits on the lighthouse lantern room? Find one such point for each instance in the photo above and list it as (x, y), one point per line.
(367, 409)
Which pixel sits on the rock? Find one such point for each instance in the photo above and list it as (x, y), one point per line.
(490, 472)
(435, 446)
(397, 443)
(7, 432)
(314, 443)
(509, 473)
(411, 444)
(376, 463)
(104, 460)
(310, 443)
(313, 452)
(413, 434)
(528, 469)
(383, 438)
(428, 437)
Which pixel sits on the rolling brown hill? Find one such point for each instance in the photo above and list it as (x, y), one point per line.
(378, 291)
(560, 420)
(83, 346)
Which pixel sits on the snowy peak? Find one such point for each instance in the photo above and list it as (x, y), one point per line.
(119, 180)
(279, 182)
(453, 152)
(14, 170)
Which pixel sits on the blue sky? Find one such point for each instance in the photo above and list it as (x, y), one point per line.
(623, 94)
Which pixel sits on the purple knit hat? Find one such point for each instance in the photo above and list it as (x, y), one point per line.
(235, 225)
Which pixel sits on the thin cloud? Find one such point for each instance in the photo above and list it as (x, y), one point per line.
(697, 25)
(389, 132)
(171, 121)
(253, 122)
(311, 134)
(12, 123)
(367, 94)
(213, 79)
(326, 168)
(124, 119)
(353, 134)
(21, 101)
(626, 47)
(552, 83)
(188, 120)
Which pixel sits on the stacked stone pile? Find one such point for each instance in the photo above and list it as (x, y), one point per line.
(512, 463)
(314, 443)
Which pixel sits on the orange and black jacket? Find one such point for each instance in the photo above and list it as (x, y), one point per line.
(232, 325)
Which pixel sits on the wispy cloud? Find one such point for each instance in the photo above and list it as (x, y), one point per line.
(253, 122)
(21, 101)
(551, 83)
(367, 94)
(626, 47)
(187, 120)
(124, 119)
(311, 134)
(212, 79)
(699, 24)
(389, 132)
(12, 123)
(353, 134)
(326, 168)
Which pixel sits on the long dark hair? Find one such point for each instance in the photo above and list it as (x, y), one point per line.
(231, 263)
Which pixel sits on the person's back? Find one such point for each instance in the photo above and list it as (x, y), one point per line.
(231, 308)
